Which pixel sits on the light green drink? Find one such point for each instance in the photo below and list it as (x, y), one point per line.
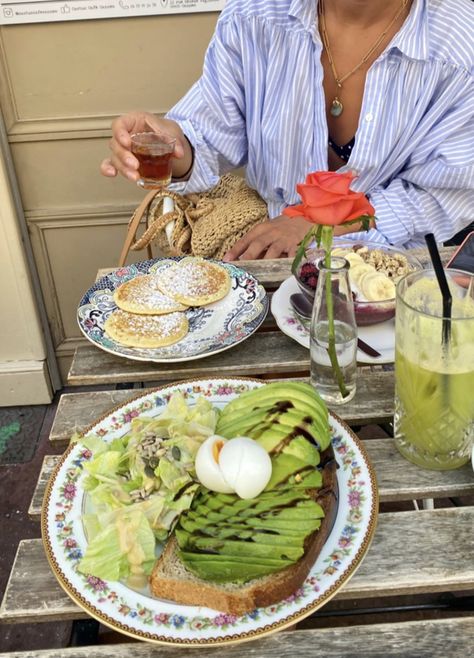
(434, 382)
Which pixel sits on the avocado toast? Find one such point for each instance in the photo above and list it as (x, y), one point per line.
(236, 554)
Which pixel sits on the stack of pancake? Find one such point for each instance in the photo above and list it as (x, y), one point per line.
(151, 307)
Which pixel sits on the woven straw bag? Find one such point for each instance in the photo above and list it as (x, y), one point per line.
(207, 224)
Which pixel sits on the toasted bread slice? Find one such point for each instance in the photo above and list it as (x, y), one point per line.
(171, 579)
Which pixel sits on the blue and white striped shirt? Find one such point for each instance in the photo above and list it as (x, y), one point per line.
(260, 104)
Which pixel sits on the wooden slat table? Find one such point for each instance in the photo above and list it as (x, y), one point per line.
(264, 353)
(413, 554)
(442, 637)
(392, 567)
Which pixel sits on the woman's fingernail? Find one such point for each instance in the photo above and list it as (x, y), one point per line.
(130, 162)
(131, 175)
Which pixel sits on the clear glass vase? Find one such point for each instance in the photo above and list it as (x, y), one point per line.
(333, 334)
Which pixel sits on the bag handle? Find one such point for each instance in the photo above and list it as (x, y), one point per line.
(168, 207)
(133, 226)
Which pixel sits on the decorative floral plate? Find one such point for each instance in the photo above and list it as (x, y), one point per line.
(212, 328)
(380, 336)
(142, 616)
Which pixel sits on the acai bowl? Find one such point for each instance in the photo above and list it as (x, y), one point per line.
(373, 273)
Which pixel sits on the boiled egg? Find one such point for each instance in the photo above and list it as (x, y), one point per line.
(239, 465)
(207, 465)
(246, 466)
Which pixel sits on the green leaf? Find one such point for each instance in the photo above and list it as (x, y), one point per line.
(125, 537)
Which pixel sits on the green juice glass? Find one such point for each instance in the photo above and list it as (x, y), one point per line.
(434, 380)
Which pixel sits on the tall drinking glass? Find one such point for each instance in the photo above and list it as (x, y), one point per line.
(434, 380)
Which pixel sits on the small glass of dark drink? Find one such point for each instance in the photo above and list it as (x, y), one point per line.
(154, 153)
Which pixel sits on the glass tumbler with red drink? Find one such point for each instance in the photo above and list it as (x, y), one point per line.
(154, 153)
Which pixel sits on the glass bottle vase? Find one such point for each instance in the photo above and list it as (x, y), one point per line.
(333, 333)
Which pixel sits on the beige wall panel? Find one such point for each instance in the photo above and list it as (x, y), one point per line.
(64, 174)
(68, 253)
(60, 84)
(102, 67)
(20, 332)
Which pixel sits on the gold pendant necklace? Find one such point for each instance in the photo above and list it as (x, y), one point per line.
(337, 107)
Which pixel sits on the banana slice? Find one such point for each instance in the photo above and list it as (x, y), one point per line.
(356, 272)
(353, 258)
(341, 251)
(377, 287)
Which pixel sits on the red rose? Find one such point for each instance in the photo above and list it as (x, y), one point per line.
(328, 199)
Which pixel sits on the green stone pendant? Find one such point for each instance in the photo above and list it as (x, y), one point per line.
(336, 107)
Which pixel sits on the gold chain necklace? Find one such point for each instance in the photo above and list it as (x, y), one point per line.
(336, 105)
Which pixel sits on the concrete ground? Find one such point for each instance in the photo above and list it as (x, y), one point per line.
(24, 435)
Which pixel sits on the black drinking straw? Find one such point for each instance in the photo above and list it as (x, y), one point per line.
(443, 285)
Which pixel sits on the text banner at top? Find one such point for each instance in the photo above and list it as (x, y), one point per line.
(46, 11)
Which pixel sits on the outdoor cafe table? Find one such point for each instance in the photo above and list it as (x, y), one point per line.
(421, 557)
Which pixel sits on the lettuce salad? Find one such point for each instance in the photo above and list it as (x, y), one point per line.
(138, 485)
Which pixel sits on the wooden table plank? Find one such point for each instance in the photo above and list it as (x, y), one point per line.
(262, 353)
(373, 402)
(398, 480)
(76, 411)
(273, 271)
(411, 553)
(425, 639)
(270, 273)
(36, 504)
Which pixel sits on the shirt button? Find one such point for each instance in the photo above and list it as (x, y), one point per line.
(369, 117)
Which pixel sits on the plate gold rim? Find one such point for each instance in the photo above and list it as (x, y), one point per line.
(241, 637)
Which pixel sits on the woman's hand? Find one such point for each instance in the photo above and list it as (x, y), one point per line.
(276, 238)
(122, 161)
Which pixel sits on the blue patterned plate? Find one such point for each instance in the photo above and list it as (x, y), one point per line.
(212, 328)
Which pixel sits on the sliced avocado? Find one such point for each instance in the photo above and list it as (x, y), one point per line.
(270, 430)
(309, 427)
(266, 405)
(223, 538)
(236, 532)
(288, 531)
(255, 422)
(270, 538)
(284, 499)
(291, 526)
(271, 437)
(304, 510)
(284, 466)
(298, 394)
(244, 549)
(249, 424)
(301, 448)
(225, 570)
(307, 479)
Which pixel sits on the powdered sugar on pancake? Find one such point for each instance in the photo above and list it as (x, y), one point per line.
(142, 295)
(195, 281)
(146, 330)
